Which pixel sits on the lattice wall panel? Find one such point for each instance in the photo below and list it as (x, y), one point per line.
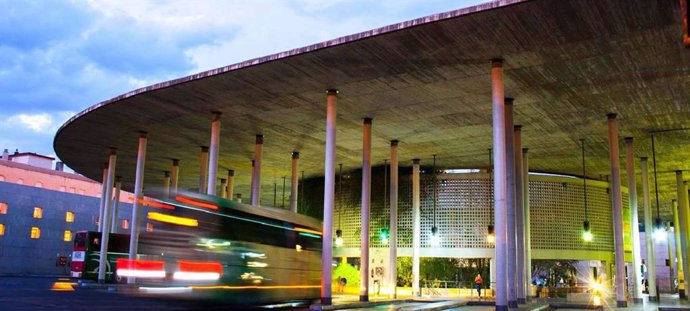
(464, 209)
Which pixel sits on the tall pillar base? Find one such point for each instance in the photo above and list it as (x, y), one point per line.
(622, 304)
(363, 298)
(513, 304)
(638, 300)
(521, 301)
(326, 301)
(681, 294)
(501, 308)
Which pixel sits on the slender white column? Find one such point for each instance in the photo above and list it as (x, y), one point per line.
(621, 301)
(213, 154)
(116, 204)
(223, 187)
(105, 235)
(102, 203)
(393, 254)
(519, 215)
(366, 201)
(229, 190)
(328, 199)
(677, 228)
(166, 183)
(416, 229)
(683, 223)
(632, 192)
(203, 169)
(174, 176)
(256, 173)
(294, 182)
(138, 196)
(648, 236)
(526, 217)
(671, 243)
(500, 183)
(510, 206)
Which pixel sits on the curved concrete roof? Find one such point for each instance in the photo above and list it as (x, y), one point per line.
(427, 83)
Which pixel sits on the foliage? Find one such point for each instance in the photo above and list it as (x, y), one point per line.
(347, 271)
(404, 267)
(550, 272)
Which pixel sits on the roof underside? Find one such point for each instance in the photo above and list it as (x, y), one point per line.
(426, 83)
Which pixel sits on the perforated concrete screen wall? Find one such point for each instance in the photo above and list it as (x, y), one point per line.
(464, 209)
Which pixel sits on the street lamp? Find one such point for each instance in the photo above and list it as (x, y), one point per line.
(659, 229)
(435, 239)
(586, 230)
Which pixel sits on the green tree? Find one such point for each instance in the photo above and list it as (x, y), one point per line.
(404, 267)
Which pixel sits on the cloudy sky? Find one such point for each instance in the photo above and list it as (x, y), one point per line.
(60, 57)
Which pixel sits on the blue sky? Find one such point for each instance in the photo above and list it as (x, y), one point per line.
(60, 57)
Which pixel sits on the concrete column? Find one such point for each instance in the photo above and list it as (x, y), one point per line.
(621, 300)
(526, 217)
(116, 204)
(500, 183)
(238, 198)
(213, 154)
(670, 246)
(294, 182)
(683, 223)
(166, 183)
(328, 199)
(203, 169)
(492, 272)
(519, 215)
(223, 187)
(679, 250)
(632, 191)
(649, 233)
(511, 233)
(366, 201)
(416, 229)
(393, 254)
(102, 202)
(256, 176)
(105, 235)
(229, 190)
(174, 176)
(138, 196)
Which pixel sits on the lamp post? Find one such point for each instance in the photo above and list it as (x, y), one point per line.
(435, 239)
(586, 230)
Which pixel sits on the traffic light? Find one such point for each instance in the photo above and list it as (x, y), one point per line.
(383, 235)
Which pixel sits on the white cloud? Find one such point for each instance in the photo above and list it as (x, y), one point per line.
(36, 122)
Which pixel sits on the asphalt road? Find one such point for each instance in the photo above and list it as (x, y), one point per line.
(58, 294)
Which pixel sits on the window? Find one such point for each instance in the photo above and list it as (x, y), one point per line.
(69, 217)
(2, 229)
(67, 236)
(38, 212)
(3, 208)
(149, 227)
(35, 232)
(20, 181)
(38, 184)
(125, 224)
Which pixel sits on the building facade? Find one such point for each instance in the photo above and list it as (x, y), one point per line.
(40, 211)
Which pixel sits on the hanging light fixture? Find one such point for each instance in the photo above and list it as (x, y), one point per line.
(339, 233)
(586, 230)
(435, 239)
(383, 233)
(659, 229)
(490, 235)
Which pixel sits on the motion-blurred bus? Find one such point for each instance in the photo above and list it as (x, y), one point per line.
(205, 246)
(86, 254)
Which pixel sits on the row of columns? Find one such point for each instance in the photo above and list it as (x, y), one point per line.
(207, 184)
